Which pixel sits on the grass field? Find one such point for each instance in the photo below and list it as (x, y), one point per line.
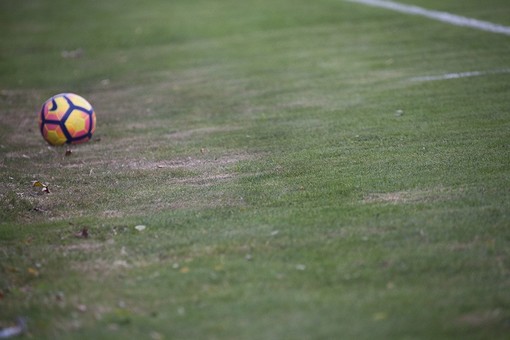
(296, 174)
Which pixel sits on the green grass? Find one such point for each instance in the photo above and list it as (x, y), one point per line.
(294, 182)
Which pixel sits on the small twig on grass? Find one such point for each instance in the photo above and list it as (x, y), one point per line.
(84, 233)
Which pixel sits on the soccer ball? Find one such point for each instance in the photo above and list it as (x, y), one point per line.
(67, 118)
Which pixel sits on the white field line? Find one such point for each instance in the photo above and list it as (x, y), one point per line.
(447, 76)
(449, 18)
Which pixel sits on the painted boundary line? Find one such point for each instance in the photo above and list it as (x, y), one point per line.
(447, 76)
(449, 18)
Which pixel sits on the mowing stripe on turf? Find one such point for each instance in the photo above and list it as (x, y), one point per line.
(447, 76)
(449, 18)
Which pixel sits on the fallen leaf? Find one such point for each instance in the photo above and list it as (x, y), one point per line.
(33, 271)
(140, 227)
(37, 184)
(40, 184)
(184, 270)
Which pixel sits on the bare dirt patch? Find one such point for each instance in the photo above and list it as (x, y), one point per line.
(412, 196)
(83, 246)
(190, 163)
(178, 135)
(479, 319)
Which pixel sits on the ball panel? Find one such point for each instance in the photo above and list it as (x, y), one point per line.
(79, 101)
(77, 124)
(53, 134)
(55, 108)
